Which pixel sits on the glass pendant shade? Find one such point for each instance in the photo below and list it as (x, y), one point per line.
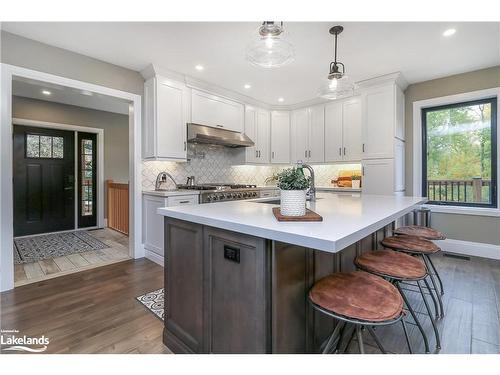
(336, 88)
(270, 51)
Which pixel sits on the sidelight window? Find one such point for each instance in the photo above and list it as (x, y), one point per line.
(87, 170)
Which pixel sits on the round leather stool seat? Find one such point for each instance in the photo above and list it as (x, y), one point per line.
(392, 264)
(418, 231)
(358, 295)
(410, 244)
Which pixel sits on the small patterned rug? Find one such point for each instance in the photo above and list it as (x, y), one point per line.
(154, 301)
(46, 246)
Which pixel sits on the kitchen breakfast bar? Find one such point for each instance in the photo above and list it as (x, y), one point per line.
(236, 279)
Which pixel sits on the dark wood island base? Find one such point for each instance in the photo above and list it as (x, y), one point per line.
(227, 292)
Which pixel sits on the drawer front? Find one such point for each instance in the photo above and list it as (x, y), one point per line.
(182, 200)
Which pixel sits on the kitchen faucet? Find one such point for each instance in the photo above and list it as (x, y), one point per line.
(162, 177)
(312, 189)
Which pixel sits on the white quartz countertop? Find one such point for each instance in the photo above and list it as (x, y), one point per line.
(170, 193)
(347, 218)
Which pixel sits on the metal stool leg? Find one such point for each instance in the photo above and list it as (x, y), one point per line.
(433, 281)
(436, 273)
(332, 340)
(359, 335)
(376, 339)
(414, 316)
(433, 322)
(410, 350)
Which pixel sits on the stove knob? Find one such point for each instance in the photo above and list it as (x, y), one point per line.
(221, 196)
(254, 194)
(215, 197)
(239, 195)
(209, 198)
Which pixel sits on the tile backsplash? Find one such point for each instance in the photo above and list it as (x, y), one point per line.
(211, 164)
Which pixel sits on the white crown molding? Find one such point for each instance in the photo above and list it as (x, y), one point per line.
(396, 78)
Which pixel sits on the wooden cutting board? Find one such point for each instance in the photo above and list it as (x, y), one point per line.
(309, 216)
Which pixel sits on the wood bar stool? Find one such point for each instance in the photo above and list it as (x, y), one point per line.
(359, 299)
(399, 267)
(421, 247)
(428, 234)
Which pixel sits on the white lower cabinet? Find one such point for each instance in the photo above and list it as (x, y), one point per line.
(152, 223)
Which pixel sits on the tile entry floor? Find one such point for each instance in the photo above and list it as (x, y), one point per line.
(49, 268)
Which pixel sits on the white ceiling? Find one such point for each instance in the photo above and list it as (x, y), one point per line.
(418, 50)
(66, 95)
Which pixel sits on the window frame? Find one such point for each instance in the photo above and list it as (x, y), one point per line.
(493, 101)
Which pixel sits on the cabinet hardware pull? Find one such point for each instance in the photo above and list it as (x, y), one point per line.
(305, 153)
(184, 145)
(344, 151)
(340, 151)
(309, 153)
(184, 202)
(259, 153)
(363, 147)
(256, 153)
(272, 154)
(219, 126)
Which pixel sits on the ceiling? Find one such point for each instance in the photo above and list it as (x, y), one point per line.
(418, 50)
(29, 88)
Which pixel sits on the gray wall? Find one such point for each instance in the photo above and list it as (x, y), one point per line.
(116, 142)
(460, 227)
(27, 53)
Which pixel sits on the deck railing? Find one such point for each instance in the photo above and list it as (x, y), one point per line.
(475, 190)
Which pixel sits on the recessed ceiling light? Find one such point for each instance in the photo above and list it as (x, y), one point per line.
(46, 92)
(199, 67)
(247, 86)
(449, 32)
(281, 100)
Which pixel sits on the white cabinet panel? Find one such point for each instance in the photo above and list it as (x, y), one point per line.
(351, 134)
(263, 135)
(378, 122)
(171, 120)
(399, 165)
(400, 114)
(166, 112)
(280, 137)
(212, 110)
(153, 223)
(299, 135)
(333, 132)
(251, 132)
(378, 176)
(316, 135)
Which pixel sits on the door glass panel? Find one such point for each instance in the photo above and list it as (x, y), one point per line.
(32, 146)
(45, 147)
(57, 147)
(87, 152)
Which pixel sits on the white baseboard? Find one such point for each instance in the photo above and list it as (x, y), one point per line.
(478, 249)
(158, 259)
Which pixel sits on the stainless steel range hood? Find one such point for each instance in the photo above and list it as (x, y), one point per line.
(205, 134)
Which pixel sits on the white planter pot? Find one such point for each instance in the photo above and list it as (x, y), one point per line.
(356, 184)
(293, 202)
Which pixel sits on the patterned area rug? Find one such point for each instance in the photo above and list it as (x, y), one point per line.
(154, 302)
(45, 246)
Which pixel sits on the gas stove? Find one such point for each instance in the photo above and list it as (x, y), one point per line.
(219, 192)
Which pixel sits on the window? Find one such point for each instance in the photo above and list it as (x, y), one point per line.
(87, 155)
(42, 146)
(459, 153)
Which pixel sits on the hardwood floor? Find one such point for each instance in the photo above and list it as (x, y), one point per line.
(472, 311)
(118, 251)
(93, 311)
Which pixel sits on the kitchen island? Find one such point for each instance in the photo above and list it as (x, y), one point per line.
(236, 279)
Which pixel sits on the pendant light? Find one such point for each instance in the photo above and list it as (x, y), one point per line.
(338, 85)
(270, 49)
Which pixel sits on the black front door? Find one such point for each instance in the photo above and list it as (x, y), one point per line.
(44, 180)
(87, 180)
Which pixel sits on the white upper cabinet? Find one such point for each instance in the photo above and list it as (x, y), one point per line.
(333, 132)
(299, 135)
(308, 135)
(316, 135)
(258, 129)
(217, 112)
(280, 137)
(383, 120)
(343, 140)
(351, 130)
(166, 114)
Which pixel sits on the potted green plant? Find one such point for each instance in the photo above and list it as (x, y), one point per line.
(356, 181)
(293, 185)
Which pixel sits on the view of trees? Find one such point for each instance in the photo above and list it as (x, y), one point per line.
(459, 149)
